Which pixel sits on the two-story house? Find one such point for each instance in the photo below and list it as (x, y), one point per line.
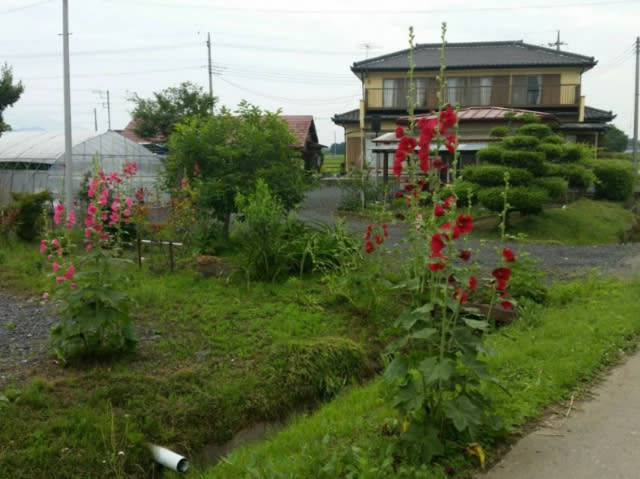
(511, 74)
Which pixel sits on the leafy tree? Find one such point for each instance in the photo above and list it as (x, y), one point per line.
(229, 151)
(157, 116)
(615, 139)
(9, 93)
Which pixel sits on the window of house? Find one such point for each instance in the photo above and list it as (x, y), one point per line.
(526, 90)
(455, 90)
(396, 91)
(479, 93)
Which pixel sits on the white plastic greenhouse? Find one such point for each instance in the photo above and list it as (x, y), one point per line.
(34, 161)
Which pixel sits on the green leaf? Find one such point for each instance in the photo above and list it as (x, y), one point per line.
(434, 371)
(426, 308)
(463, 412)
(424, 333)
(396, 369)
(478, 324)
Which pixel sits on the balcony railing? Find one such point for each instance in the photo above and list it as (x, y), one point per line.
(516, 96)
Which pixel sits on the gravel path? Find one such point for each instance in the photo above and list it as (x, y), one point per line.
(25, 324)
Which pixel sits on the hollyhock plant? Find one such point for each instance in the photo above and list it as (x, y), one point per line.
(90, 287)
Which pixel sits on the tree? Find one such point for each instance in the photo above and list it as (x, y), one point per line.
(614, 139)
(229, 151)
(157, 116)
(9, 93)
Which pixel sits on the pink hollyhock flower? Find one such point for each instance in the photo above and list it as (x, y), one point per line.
(73, 285)
(103, 199)
(87, 233)
(92, 209)
(71, 219)
(55, 266)
(68, 274)
(55, 243)
(45, 295)
(43, 246)
(88, 247)
(59, 279)
(93, 187)
(128, 201)
(57, 213)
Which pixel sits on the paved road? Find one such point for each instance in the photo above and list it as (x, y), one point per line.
(599, 440)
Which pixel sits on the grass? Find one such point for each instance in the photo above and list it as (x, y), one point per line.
(214, 356)
(545, 357)
(332, 164)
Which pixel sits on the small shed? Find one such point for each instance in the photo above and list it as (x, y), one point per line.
(34, 161)
(303, 129)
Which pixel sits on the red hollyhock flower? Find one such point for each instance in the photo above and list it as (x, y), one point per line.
(448, 119)
(473, 283)
(452, 280)
(437, 244)
(427, 127)
(464, 255)
(450, 200)
(461, 295)
(501, 275)
(399, 131)
(508, 254)
(368, 247)
(438, 210)
(385, 230)
(465, 223)
(436, 267)
(423, 156)
(398, 194)
(504, 302)
(407, 144)
(379, 239)
(437, 163)
(451, 144)
(397, 166)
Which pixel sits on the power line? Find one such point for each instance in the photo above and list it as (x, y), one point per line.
(172, 46)
(24, 7)
(457, 10)
(112, 74)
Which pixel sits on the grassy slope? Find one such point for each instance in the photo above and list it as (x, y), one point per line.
(213, 357)
(541, 359)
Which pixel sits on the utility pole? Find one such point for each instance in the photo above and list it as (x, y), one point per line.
(557, 43)
(635, 107)
(68, 163)
(210, 70)
(95, 119)
(106, 104)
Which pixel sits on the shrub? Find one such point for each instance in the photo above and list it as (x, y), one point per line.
(553, 169)
(524, 199)
(8, 218)
(555, 187)
(465, 191)
(499, 132)
(357, 186)
(490, 154)
(553, 139)
(30, 207)
(520, 142)
(532, 161)
(538, 130)
(573, 152)
(493, 175)
(578, 177)
(552, 152)
(528, 118)
(616, 179)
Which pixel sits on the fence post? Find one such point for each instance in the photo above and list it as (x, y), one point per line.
(171, 255)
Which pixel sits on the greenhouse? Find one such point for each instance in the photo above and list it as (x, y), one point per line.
(34, 161)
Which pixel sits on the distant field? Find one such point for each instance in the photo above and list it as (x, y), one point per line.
(332, 164)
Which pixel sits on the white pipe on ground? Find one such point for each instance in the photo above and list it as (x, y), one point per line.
(169, 459)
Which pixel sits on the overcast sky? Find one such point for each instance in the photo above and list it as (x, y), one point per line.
(281, 54)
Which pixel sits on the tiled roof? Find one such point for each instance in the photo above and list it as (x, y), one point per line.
(592, 115)
(353, 116)
(302, 128)
(509, 54)
(129, 133)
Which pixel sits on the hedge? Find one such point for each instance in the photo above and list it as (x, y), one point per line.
(499, 132)
(520, 142)
(527, 200)
(490, 154)
(493, 175)
(538, 130)
(532, 161)
(578, 177)
(616, 179)
(573, 152)
(552, 152)
(553, 139)
(555, 187)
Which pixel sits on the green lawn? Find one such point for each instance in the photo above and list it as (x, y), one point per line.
(332, 164)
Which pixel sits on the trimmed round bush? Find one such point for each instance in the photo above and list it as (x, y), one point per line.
(553, 139)
(553, 169)
(520, 142)
(616, 179)
(578, 177)
(555, 187)
(532, 161)
(465, 191)
(552, 152)
(527, 200)
(499, 132)
(538, 130)
(493, 175)
(490, 154)
(574, 152)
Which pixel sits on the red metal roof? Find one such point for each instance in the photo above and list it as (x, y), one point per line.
(486, 113)
(301, 127)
